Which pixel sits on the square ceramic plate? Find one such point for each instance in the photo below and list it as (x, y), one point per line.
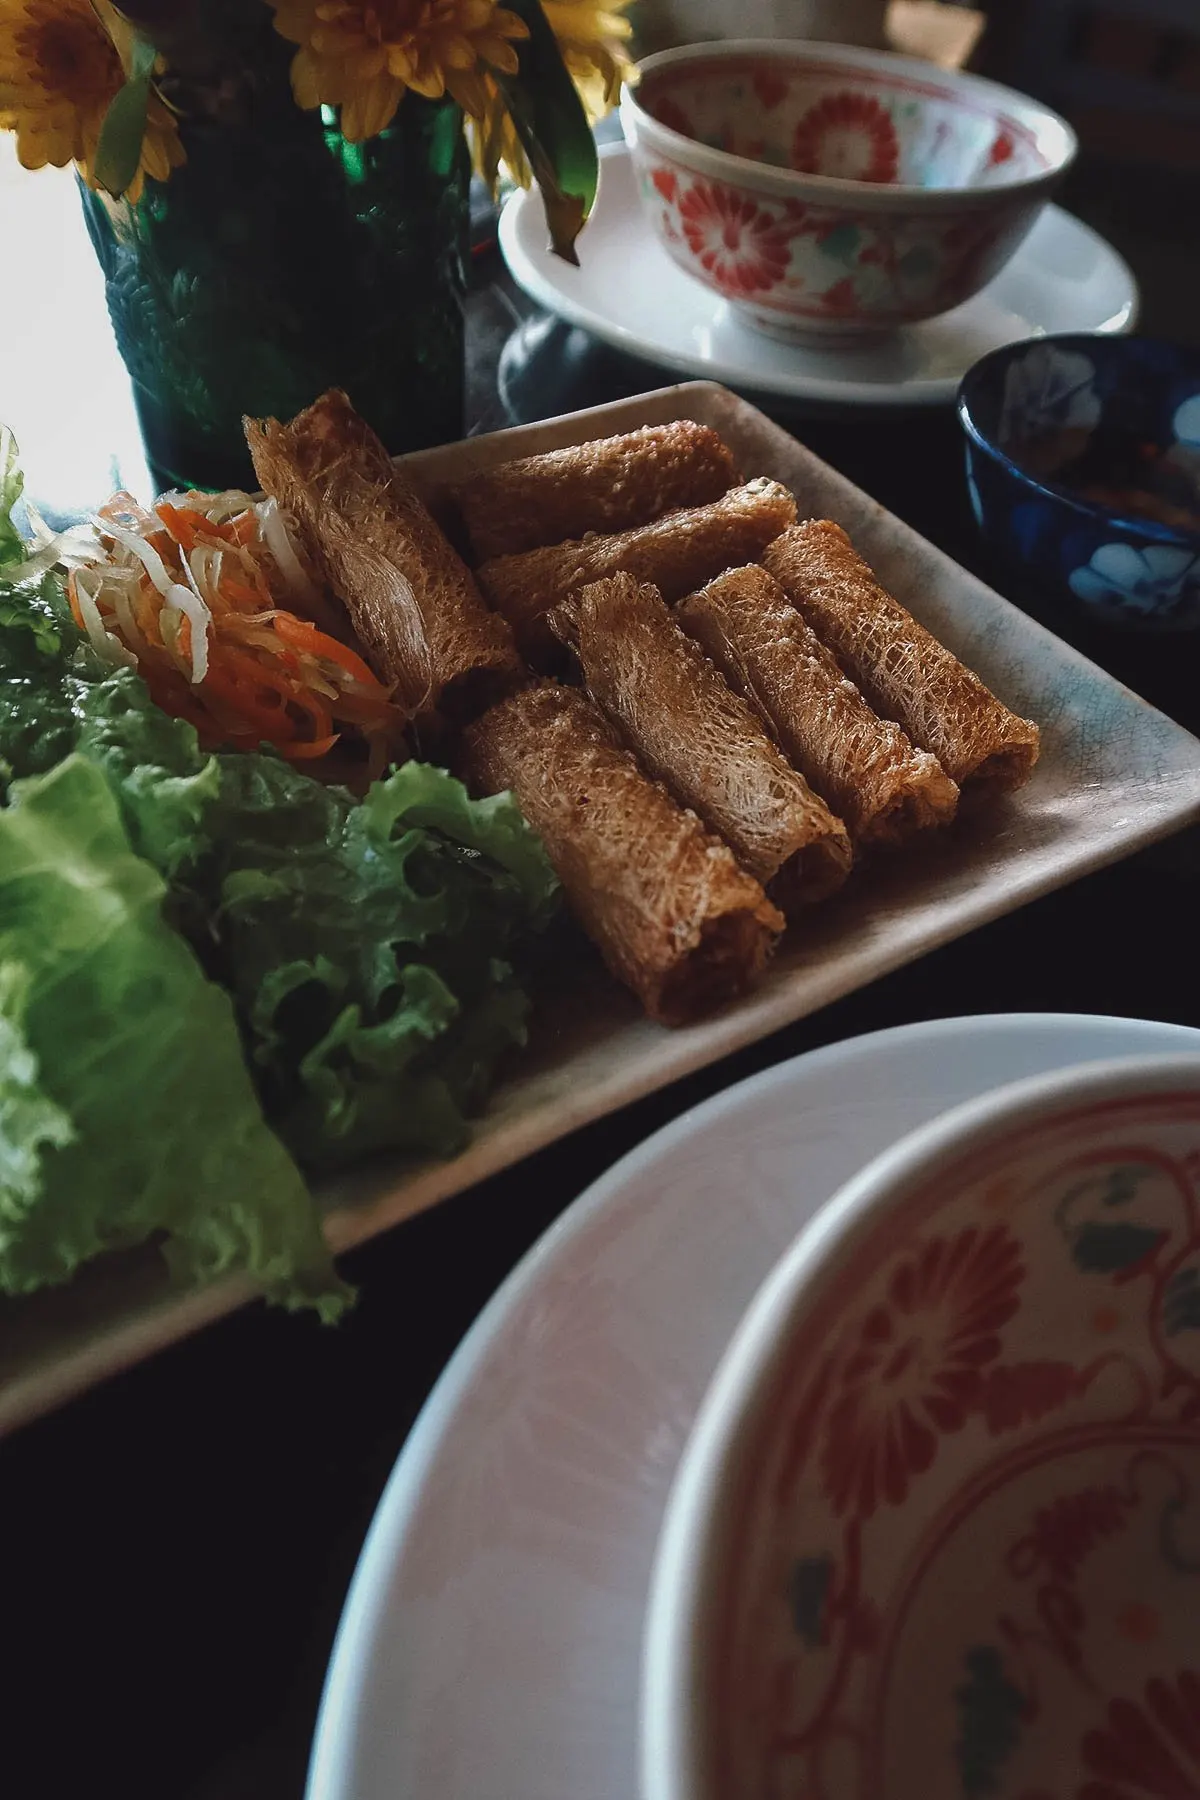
(1114, 775)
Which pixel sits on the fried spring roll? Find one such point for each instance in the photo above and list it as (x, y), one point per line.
(412, 601)
(864, 766)
(676, 553)
(610, 484)
(901, 668)
(701, 740)
(673, 915)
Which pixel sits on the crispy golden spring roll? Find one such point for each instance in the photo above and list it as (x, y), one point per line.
(412, 601)
(701, 740)
(610, 484)
(864, 766)
(676, 553)
(673, 915)
(901, 668)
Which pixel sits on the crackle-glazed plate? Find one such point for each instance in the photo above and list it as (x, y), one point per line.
(1114, 776)
(491, 1644)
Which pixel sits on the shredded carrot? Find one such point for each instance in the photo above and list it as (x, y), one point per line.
(301, 752)
(73, 597)
(270, 675)
(305, 636)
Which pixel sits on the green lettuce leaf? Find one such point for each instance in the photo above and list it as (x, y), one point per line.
(375, 950)
(56, 695)
(165, 784)
(126, 1111)
(12, 482)
(372, 950)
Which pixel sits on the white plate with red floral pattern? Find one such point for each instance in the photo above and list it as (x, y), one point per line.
(491, 1642)
(628, 292)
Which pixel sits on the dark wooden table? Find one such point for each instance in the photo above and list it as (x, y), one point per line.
(179, 1542)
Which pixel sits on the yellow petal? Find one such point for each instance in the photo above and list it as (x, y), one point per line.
(459, 54)
(429, 82)
(330, 41)
(470, 89)
(509, 24)
(501, 56)
(154, 157)
(32, 155)
(365, 65)
(372, 109)
(307, 80)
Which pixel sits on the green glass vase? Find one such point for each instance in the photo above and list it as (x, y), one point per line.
(281, 260)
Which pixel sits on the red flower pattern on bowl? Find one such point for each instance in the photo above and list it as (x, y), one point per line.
(739, 244)
(784, 260)
(948, 1538)
(1147, 1749)
(849, 136)
(917, 1369)
(876, 191)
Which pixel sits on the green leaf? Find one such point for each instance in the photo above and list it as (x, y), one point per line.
(30, 1122)
(842, 243)
(808, 1591)
(371, 949)
(126, 1110)
(119, 149)
(552, 124)
(991, 1712)
(12, 482)
(374, 950)
(1181, 1302)
(1107, 1249)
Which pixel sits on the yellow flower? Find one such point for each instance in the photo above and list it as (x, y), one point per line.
(494, 141)
(361, 55)
(591, 36)
(58, 72)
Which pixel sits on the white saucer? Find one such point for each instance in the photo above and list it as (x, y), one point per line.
(490, 1645)
(628, 292)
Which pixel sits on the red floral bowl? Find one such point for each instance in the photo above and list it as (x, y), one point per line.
(835, 190)
(937, 1529)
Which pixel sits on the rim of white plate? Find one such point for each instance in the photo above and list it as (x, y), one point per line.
(335, 1738)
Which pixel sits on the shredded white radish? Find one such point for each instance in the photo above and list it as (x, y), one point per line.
(103, 642)
(146, 554)
(200, 565)
(185, 601)
(117, 592)
(275, 536)
(168, 625)
(220, 507)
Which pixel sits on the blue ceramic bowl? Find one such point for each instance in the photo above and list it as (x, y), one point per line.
(1068, 440)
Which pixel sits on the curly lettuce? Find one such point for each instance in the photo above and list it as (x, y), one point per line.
(213, 963)
(376, 951)
(373, 949)
(126, 1110)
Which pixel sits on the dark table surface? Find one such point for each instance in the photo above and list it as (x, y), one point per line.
(179, 1542)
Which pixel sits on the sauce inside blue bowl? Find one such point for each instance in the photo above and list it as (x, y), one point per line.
(1127, 475)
